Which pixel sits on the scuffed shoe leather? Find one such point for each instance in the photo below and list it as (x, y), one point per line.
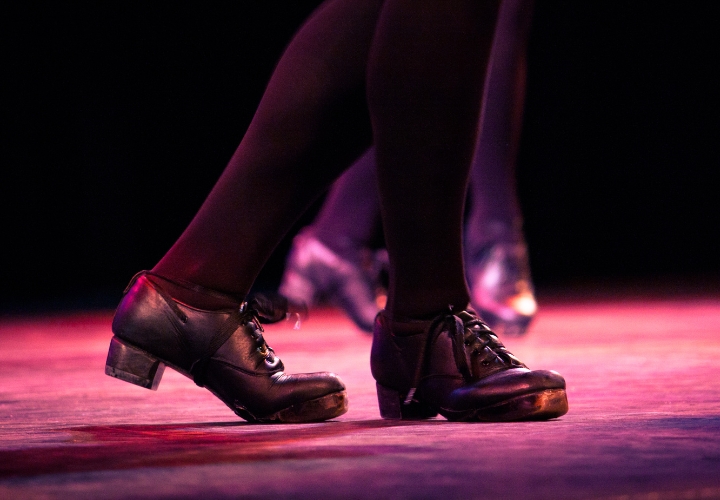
(501, 288)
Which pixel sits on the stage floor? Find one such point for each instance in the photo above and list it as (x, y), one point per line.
(644, 420)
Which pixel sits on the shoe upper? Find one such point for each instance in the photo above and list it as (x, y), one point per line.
(222, 350)
(454, 362)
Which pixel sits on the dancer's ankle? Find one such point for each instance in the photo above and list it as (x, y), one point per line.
(423, 311)
(194, 295)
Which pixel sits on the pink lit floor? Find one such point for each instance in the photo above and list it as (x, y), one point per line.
(644, 420)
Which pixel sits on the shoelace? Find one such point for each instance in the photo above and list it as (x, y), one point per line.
(479, 343)
(245, 316)
(474, 346)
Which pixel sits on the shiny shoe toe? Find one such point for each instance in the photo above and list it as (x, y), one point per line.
(501, 288)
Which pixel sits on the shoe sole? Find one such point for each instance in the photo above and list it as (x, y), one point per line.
(540, 405)
(315, 410)
(136, 366)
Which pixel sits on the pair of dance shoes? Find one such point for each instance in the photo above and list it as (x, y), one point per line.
(452, 365)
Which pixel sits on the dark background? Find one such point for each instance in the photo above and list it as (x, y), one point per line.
(119, 117)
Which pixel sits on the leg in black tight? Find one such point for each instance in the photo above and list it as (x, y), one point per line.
(429, 354)
(496, 257)
(495, 214)
(425, 81)
(350, 215)
(294, 148)
(180, 319)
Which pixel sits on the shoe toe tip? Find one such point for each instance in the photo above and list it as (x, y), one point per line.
(549, 379)
(324, 382)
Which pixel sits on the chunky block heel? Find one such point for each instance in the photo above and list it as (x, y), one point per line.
(392, 406)
(133, 365)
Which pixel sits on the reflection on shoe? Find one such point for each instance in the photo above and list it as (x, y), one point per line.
(501, 288)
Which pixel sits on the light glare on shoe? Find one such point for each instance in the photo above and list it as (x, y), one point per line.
(524, 304)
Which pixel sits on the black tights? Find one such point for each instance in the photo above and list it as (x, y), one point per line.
(414, 70)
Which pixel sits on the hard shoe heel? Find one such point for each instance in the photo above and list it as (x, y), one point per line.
(133, 365)
(392, 406)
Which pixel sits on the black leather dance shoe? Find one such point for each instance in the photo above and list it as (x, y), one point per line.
(314, 273)
(501, 288)
(223, 351)
(456, 366)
